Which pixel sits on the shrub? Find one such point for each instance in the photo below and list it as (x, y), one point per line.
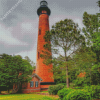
(53, 89)
(63, 92)
(77, 95)
(78, 87)
(80, 81)
(94, 91)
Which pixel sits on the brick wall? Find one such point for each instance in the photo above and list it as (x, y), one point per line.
(28, 89)
(41, 69)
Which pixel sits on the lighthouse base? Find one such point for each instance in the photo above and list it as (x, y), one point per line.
(45, 85)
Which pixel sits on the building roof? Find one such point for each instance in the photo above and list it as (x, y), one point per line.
(35, 75)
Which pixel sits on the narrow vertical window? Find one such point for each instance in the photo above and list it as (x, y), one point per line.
(31, 84)
(38, 55)
(36, 84)
(39, 31)
(47, 19)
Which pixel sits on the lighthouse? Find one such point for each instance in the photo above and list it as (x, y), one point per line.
(43, 70)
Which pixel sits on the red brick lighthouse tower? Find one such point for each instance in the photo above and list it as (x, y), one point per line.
(41, 69)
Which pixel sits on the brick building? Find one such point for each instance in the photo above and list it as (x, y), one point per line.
(33, 85)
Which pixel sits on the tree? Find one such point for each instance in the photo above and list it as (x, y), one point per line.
(91, 26)
(59, 72)
(65, 35)
(31, 62)
(98, 3)
(2, 75)
(28, 59)
(92, 35)
(84, 60)
(10, 69)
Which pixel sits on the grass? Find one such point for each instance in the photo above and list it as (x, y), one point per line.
(26, 97)
(44, 92)
(40, 92)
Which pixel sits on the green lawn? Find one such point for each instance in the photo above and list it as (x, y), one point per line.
(26, 97)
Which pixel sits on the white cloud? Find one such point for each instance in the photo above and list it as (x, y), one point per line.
(55, 19)
(26, 26)
(29, 27)
(7, 38)
(31, 54)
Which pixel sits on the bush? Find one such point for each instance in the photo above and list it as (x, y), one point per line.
(78, 87)
(63, 92)
(53, 89)
(80, 81)
(77, 95)
(94, 91)
(87, 93)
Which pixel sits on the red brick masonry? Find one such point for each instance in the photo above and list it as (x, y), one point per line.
(41, 69)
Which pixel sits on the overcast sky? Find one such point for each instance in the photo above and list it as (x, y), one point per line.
(19, 22)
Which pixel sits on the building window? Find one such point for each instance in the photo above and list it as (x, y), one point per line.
(36, 84)
(31, 84)
(39, 31)
(38, 55)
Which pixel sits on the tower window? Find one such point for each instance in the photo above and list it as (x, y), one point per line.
(38, 55)
(39, 31)
(47, 20)
(36, 84)
(31, 84)
(44, 12)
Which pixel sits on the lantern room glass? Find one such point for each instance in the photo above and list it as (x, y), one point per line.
(43, 3)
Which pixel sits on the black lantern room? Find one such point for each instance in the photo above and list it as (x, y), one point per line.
(43, 7)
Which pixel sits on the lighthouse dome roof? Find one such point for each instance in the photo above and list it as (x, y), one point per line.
(43, 3)
(43, 6)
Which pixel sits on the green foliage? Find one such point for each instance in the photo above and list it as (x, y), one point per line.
(85, 61)
(94, 91)
(78, 87)
(98, 3)
(64, 36)
(31, 62)
(80, 93)
(91, 32)
(53, 89)
(59, 71)
(80, 81)
(77, 95)
(95, 76)
(11, 67)
(63, 92)
(94, 79)
(91, 25)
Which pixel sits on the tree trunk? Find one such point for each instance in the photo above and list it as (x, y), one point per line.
(19, 87)
(8, 89)
(90, 75)
(67, 79)
(99, 69)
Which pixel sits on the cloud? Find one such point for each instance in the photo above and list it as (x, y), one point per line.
(7, 38)
(10, 10)
(31, 54)
(76, 19)
(29, 27)
(26, 26)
